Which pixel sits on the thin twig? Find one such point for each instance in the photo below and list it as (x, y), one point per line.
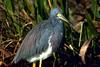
(17, 45)
(50, 5)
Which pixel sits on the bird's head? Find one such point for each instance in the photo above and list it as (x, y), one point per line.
(56, 12)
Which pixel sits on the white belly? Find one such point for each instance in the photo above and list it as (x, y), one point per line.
(43, 55)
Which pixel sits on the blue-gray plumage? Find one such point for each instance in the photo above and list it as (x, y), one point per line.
(42, 40)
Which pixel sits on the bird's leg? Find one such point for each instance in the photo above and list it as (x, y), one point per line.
(54, 60)
(34, 65)
(40, 63)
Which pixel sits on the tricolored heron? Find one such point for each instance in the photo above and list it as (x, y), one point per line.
(42, 40)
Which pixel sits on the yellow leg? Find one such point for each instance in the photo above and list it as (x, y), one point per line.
(54, 60)
(40, 63)
(34, 65)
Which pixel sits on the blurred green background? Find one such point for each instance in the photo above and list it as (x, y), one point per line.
(17, 17)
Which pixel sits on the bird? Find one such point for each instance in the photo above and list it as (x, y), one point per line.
(42, 40)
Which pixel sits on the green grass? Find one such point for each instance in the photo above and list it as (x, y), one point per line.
(17, 18)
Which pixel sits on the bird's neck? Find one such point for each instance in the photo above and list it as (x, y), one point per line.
(56, 21)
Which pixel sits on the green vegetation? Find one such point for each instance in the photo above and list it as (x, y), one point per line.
(82, 35)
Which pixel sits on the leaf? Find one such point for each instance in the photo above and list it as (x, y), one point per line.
(1, 62)
(30, 6)
(81, 31)
(93, 33)
(94, 7)
(83, 50)
(8, 5)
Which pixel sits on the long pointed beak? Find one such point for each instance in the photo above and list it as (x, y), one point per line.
(62, 17)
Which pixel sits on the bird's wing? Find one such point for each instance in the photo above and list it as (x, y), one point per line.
(56, 38)
(34, 43)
